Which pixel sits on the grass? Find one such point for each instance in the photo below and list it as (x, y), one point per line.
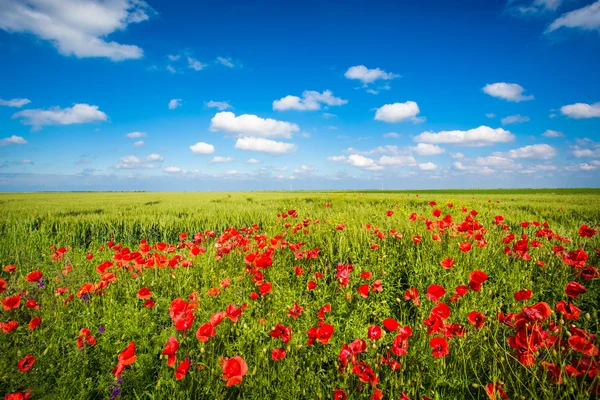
(85, 222)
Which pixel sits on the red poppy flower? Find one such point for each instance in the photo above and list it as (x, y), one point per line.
(442, 310)
(413, 294)
(277, 354)
(554, 372)
(569, 311)
(364, 290)
(524, 294)
(144, 293)
(21, 395)
(434, 292)
(26, 363)
(2, 285)
(10, 268)
(213, 292)
(32, 304)
(447, 263)
(126, 357)
(377, 394)
(464, 247)
(416, 239)
(574, 289)
(311, 285)
(389, 213)
(390, 324)
(265, 288)
(11, 302)
(583, 344)
(33, 276)
(34, 323)
(282, 331)
(170, 349)
(477, 278)
(233, 370)
(339, 394)
(586, 232)
(295, 311)
(182, 369)
(477, 319)
(374, 332)
(439, 347)
(8, 327)
(233, 313)
(205, 332)
(493, 389)
(324, 332)
(376, 286)
(254, 296)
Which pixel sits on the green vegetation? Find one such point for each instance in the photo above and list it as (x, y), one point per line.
(82, 223)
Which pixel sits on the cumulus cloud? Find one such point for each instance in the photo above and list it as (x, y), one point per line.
(310, 101)
(552, 134)
(219, 159)
(358, 161)
(366, 75)
(252, 161)
(174, 170)
(139, 143)
(476, 169)
(391, 135)
(481, 136)
(586, 18)
(264, 145)
(506, 91)
(398, 160)
(219, 105)
(251, 125)
(515, 119)
(12, 140)
(532, 8)
(195, 64)
(226, 61)
(76, 27)
(426, 149)
(457, 156)
(135, 135)
(173, 57)
(428, 166)
(536, 151)
(490, 115)
(18, 103)
(581, 110)
(202, 148)
(304, 169)
(398, 112)
(78, 114)
(174, 103)
(134, 162)
(496, 161)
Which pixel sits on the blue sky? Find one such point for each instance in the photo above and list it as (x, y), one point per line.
(268, 95)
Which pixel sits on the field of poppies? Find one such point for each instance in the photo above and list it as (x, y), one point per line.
(347, 295)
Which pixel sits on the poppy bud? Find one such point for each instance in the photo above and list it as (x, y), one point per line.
(201, 349)
(495, 345)
(398, 300)
(501, 359)
(588, 316)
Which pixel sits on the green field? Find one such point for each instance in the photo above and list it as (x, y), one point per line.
(82, 223)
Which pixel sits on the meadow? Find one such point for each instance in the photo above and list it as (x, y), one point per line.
(479, 294)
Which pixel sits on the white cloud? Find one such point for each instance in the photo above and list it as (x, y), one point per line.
(387, 149)
(581, 110)
(78, 114)
(77, 27)
(305, 170)
(366, 75)
(264, 145)
(587, 18)
(426, 149)
(251, 125)
(139, 143)
(357, 161)
(497, 161)
(392, 135)
(136, 135)
(231, 172)
(328, 115)
(513, 119)
(173, 57)
(373, 91)
(134, 162)
(536, 7)
(202, 148)
(552, 134)
(506, 91)
(481, 136)
(174, 170)
(225, 61)
(457, 156)
(174, 103)
(586, 148)
(536, 151)
(253, 161)
(428, 166)
(398, 160)
(25, 161)
(219, 159)
(490, 115)
(581, 167)
(398, 112)
(311, 100)
(476, 169)
(195, 64)
(219, 105)
(12, 140)
(155, 157)
(14, 102)
(171, 69)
